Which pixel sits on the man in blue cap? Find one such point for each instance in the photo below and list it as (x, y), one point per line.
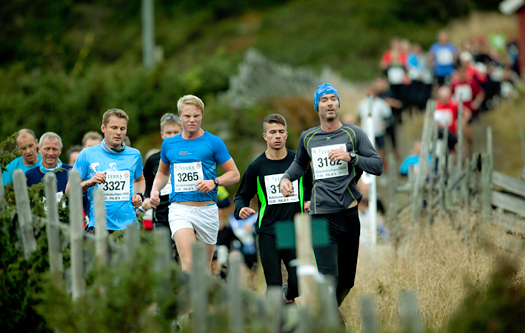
(339, 154)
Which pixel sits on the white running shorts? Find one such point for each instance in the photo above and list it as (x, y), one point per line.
(203, 219)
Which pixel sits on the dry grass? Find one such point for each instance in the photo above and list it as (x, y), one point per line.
(435, 262)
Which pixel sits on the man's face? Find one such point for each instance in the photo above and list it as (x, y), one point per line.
(328, 107)
(115, 131)
(275, 136)
(91, 142)
(170, 130)
(27, 145)
(50, 152)
(73, 157)
(191, 118)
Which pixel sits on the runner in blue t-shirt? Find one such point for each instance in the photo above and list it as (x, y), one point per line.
(27, 144)
(191, 159)
(444, 55)
(116, 169)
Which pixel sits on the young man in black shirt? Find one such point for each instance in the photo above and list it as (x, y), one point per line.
(170, 125)
(262, 178)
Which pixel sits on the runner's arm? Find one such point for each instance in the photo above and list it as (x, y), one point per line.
(231, 173)
(140, 185)
(161, 179)
(300, 163)
(367, 158)
(246, 191)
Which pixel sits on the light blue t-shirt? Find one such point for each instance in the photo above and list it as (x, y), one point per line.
(443, 58)
(17, 163)
(122, 168)
(188, 160)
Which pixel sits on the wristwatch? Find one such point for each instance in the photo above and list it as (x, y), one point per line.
(216, 182)
(141, 195)
(352, 156)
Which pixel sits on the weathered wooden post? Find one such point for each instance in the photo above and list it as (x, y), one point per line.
(459, 153)
(442, 162)
(368, 313)
(328, 304)
(490, 146)
(306, 270)
(465, 186)
(132, 241)
(235, 310)
(25, 218)
(450, 196)
(162, 264)
(417, 198)
(53, 225)
(392, 209)
(408, 311)
(273, 307)
(76, 236)
(101, 232)
(486, 186)
(199, 288)
(432, 172)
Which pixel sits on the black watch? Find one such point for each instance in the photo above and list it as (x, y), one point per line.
(141, 195)
(216, 182)
(352, 156)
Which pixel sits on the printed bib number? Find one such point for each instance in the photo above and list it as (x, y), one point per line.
(395, 75)
(443, 116)
(117, 186)
(168, 188)
(323, 167)
(273, 190)
(187, 175)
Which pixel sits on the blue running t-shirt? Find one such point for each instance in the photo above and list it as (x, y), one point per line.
(121, 169)
(191, 161)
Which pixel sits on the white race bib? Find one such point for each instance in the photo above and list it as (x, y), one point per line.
(444, 57)
(187, 175)
(443, 117)
(323, 167)
(273, 190)
(395, 75)
(117, 186)
(167, 189)
(463, 90)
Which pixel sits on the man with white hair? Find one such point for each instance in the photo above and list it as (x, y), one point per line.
(26, 143)
(50, 148)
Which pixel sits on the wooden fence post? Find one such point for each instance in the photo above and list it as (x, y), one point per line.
(328, 304)
(235, 310)
(442, 163)
(101, 232)
(273, 307)
(368, 313)
(53, 225)
(408, 311)
(459, 153)
(486, 186)
(25, 218)
(417, 198)
(306, 269)
(132, 241)
(199, 288)
(77, 235)
(432, 173)
(465, 186)
(490, 146)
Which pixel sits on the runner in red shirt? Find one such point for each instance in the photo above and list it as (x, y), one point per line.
(469, 89)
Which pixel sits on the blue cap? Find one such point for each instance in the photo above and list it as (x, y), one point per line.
(322, 90)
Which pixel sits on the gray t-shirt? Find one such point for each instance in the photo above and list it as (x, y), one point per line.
(334, 184)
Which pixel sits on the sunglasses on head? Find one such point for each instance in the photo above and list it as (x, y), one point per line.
(169, 117)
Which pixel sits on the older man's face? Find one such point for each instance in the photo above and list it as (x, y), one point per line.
(50, 152)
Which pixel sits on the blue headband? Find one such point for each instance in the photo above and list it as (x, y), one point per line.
(322, 90)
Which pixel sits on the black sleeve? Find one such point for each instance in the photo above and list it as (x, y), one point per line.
(149, 176)
(308, 184)
(246, 191)
(300, 164)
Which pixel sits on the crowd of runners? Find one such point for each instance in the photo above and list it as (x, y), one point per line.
(181, 185)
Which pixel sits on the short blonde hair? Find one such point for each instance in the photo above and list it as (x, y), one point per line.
(91, 135)
(114, 112)
(190, 100)
(169, 119)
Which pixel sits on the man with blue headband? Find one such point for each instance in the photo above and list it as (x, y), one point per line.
(339, 153)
